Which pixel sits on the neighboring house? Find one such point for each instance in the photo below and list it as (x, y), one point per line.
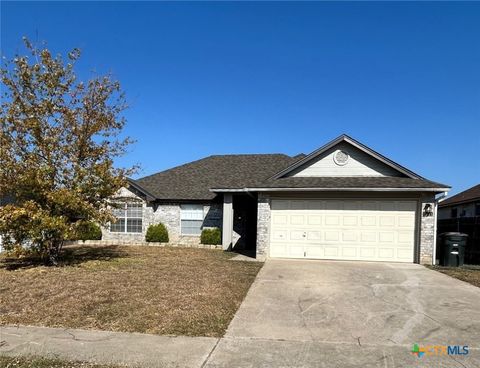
(464, 204)
(343, 201)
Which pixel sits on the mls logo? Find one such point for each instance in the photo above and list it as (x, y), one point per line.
(417, 351)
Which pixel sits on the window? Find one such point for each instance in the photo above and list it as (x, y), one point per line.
(191, 217)
(129, 218)
(453, 213)
(477, 209)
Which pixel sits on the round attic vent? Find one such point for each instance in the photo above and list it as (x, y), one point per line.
(341, 157)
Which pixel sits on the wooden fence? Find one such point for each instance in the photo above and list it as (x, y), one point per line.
(466, 225)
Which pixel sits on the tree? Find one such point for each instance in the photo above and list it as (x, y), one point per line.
(58, 141)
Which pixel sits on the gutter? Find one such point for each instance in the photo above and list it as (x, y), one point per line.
(435, 211)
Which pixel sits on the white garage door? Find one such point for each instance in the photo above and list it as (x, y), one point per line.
(369, 230)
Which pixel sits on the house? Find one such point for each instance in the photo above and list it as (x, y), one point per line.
(464, 204)
(343, 201)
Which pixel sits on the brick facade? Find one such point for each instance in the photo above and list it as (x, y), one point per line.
(167, 214)
(427, 232)
(263, 226)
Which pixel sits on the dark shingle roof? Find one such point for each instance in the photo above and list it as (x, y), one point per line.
(468, 195)
(194, 180)
(351, 182)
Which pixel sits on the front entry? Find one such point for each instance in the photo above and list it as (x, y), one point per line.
(363, 229)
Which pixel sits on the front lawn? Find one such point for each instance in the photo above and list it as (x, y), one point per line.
(172, 291)
(39, 362)
(468, 273)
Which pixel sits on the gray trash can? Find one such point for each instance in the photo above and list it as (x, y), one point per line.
(452, 249)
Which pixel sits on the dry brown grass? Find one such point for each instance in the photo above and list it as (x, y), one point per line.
(41, 362)
(468, 273)
(173, 291)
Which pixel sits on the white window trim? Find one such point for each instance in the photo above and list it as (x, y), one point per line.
(194, 213)
(126, 218)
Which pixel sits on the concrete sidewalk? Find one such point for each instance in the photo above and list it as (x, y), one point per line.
(139, 350)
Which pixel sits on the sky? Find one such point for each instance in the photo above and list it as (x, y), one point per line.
(207, 78)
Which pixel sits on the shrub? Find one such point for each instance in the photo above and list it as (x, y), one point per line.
(88, 230)
(211, 236)
(157, 233)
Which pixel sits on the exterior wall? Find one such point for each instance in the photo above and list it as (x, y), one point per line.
(169, 215)
(427, 231)
(263, 226)
(463, 210)
(359, 164)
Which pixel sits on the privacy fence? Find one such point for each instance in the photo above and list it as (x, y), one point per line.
(469, 226)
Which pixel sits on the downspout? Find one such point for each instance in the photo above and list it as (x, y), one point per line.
(435, 213)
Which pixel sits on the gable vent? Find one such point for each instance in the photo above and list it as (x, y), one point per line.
(341, 157)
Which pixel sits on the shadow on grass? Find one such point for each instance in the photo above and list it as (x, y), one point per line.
(70, 256)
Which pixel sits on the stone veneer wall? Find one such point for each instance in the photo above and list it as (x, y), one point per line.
(427, 232)
(169, 215)
(263, 226)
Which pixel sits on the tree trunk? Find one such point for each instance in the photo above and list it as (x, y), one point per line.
(54, 249)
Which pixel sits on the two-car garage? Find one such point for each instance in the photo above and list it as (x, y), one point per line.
(350, 229)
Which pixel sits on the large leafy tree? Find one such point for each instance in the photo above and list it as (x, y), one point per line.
(58, 141)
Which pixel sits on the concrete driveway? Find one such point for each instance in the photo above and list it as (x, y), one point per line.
(300, 314)
(348, 314)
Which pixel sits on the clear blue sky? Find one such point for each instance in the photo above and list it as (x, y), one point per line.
(213, 78)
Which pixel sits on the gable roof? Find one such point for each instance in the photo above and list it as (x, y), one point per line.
(200, 180)
(355, 143)
(194, 180)
(469, 195)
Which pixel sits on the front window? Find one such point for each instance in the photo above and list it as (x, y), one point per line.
(477, 209)
(191, 217)
(453, 213)
(129, 218)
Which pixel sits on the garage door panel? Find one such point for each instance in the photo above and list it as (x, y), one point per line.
(406, 237)
(349, 252)
(406, 221)
(314, 236)
(331, 251)
(348, 236)
(297, 219)
(314, 252)
(382, 230)
(332, 220)
(368, 220)
(280, 235)
(332, 235)
(386, 253)
(404, 253)
(350, 220)
(297, 235)
(314, 220)
(387, 221)
(386, 237)
(279, 219)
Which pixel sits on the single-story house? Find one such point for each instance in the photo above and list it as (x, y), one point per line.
(463, 204)
(344, 201)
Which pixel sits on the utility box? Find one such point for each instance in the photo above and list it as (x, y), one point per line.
(452, 249)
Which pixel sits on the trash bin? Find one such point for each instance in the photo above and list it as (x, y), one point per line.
(452, 246)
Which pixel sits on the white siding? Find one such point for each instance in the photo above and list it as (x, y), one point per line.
(359, 164)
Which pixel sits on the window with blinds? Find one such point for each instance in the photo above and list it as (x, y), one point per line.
(191, 218)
